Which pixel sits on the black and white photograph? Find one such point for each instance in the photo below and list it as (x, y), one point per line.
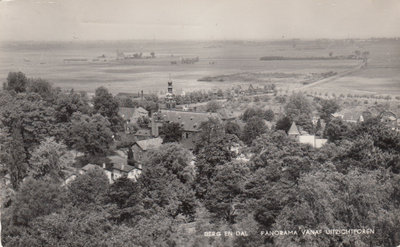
(196, 123)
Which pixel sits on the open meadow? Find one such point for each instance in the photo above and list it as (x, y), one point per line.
(231, 59)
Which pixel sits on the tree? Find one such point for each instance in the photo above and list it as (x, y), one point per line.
(233, 129)
(14, 157)
(336, 130)
(171, 132)
(210, 129)
(49, 158)
(70, 226)
(328, 107)
(67, 104)
(253, 128)
(215, 153)
(283, 123)
(105, 104)
(90, 135)
(298, 107)
(226, 186)
(252, 112)
(41, 87)
(16, 81)
(176, 159)
(164, 192)
(213, 106)
(269, 115)
(88, 188)
(127, 196)
(143, 121)
(35, 198)
(29, 115)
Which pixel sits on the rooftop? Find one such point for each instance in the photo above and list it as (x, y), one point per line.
(190, 121)
(293, 130)
(150, 143)
(143, 132)
(90, 167)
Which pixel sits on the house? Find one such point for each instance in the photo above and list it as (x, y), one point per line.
(88, 167)
(305, 138)
(119, 168)
(140, 148)
(350, 116)
(131, 115)
(143, 134)
(189, 121)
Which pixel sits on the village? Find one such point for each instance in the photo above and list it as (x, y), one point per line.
(142, 129)
(130, 153)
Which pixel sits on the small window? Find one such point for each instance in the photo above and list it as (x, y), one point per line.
(187, 135)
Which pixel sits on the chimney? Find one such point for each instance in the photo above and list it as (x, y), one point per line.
(141, 94)
(104, 165)
(123, 166)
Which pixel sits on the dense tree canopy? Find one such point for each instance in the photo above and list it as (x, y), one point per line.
(105, 104)
(171, 132)
(16, 81)
(91, 135)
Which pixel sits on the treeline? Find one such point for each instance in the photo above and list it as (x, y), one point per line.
(32, 110)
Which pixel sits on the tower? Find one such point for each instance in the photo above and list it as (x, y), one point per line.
(170, 97)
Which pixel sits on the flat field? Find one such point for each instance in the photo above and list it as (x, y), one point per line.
(47, 60)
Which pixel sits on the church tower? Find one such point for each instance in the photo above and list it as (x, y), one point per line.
(170, 97)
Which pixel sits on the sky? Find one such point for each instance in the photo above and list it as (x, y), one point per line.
(67, 20)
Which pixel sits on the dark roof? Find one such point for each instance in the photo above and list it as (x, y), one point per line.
(123, 167)
(149, 143)
(143, 132)
(190, 121)
(120, 163)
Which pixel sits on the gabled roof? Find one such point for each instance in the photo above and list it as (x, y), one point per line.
(128, 112)
(152, 143)
(123, 167)
(293, 130)
(190, 121)
(90, 167)
(141, 110)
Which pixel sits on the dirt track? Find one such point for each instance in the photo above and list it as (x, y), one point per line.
(332, 78)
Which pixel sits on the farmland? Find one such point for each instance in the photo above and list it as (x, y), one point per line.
(229, 59)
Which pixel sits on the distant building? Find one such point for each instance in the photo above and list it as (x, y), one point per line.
(304, 137)
(349, 116)
(143, 134)
(189, 121)
(294, 131)
(140, 148)
(131, 115)
(119, 168)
